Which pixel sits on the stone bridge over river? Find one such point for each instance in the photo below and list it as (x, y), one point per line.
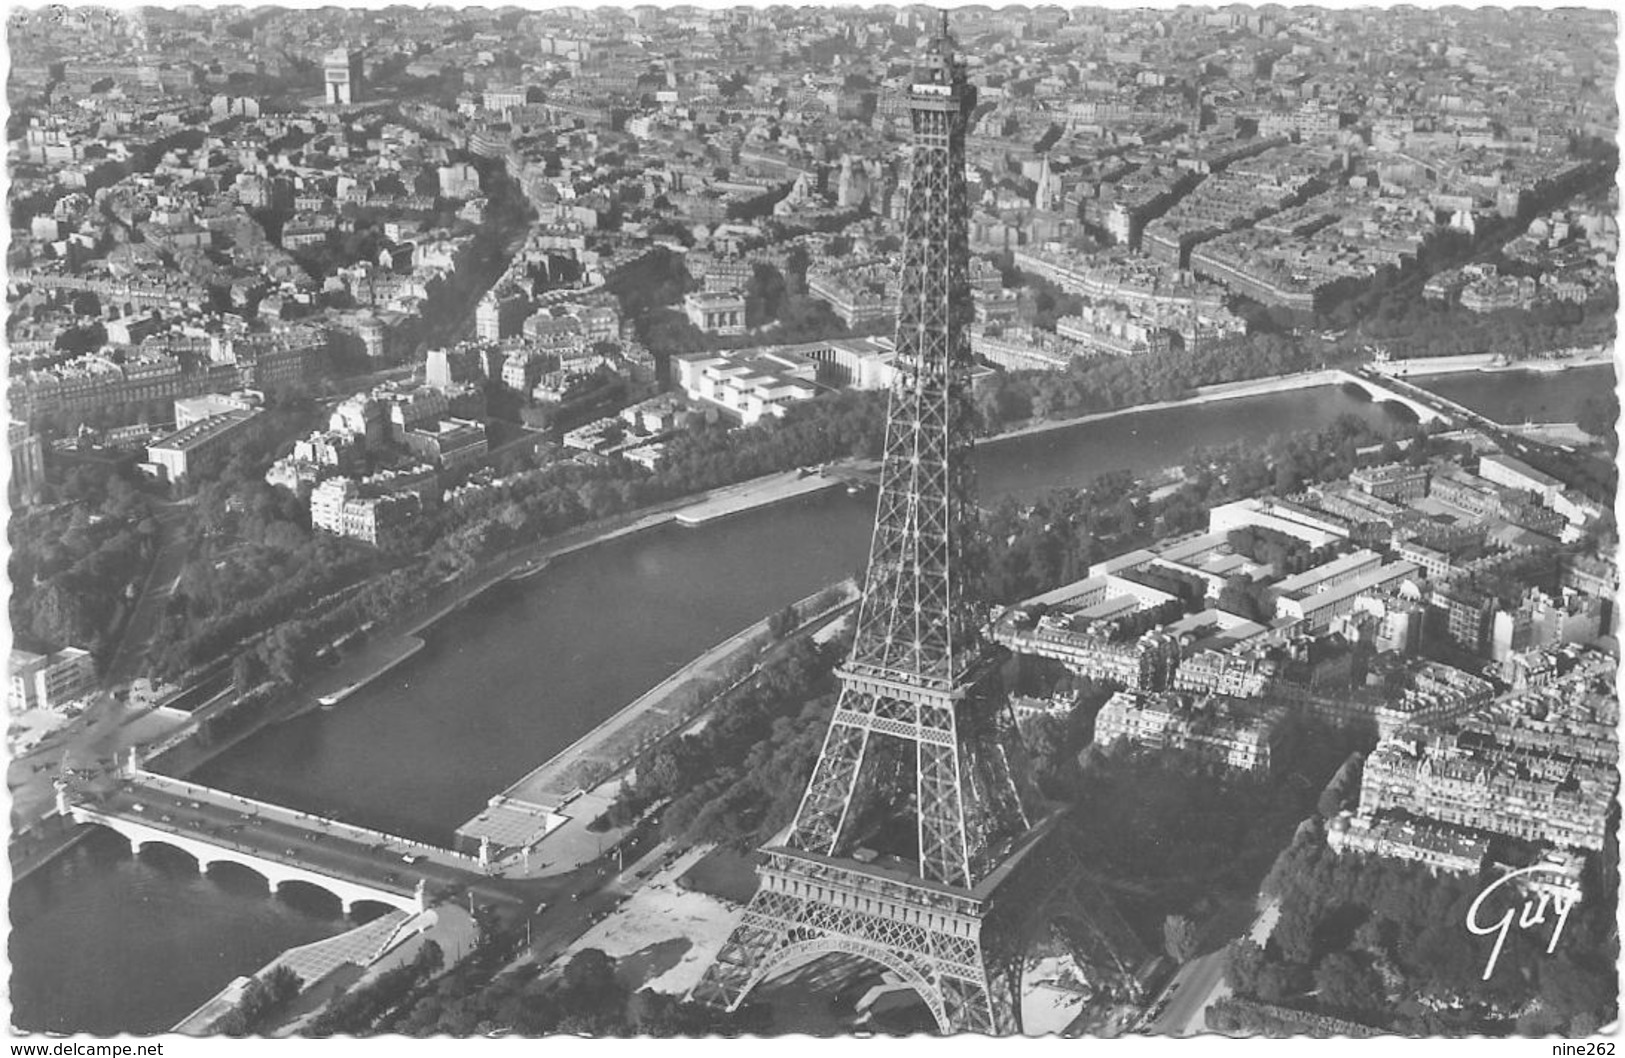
(280, 844)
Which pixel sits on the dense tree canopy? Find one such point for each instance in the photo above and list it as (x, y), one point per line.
(263, 1000)
(739, 779)
(1357, 935)
(77, 557)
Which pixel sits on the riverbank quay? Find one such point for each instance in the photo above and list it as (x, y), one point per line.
(761, 492)
(1558, 360)
(448, 925)
(1565, 435)
(45, 841)
(379, 660)
(539, 823)
(313, 963)
(1256, 387)
(342, 963)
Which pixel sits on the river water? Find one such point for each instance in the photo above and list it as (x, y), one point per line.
(106, 942)
(508, 682)
(1514, 397)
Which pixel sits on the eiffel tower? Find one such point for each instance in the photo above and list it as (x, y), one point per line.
(912, 823)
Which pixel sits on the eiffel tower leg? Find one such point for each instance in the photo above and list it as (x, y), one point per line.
(761, 932)
(985, 1003)
(1004, 993)
(943, 855)
(824, 806)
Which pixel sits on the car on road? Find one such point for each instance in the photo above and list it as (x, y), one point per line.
(412, 857)
(138, 807)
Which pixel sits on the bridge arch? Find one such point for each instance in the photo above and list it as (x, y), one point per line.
(234, 867)
(1378, 393)
(367, 908)
(184, 848)
(1403, 408)
(289, 887)
(800, 952)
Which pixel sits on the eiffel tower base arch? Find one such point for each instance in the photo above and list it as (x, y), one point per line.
(937, 952)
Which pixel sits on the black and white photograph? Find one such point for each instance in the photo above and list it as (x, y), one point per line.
(692, 521)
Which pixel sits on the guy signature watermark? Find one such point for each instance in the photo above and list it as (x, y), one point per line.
(1533, 914)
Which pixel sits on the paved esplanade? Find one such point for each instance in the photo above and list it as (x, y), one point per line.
(282, 844)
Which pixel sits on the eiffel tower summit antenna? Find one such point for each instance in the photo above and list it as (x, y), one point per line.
(906, 846)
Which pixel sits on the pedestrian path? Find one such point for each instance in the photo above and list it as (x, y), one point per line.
(762, 492)
(360, 946)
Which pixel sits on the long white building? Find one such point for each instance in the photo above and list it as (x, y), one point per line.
(752, 384)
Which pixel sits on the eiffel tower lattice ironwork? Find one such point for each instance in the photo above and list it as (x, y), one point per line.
(921, 726)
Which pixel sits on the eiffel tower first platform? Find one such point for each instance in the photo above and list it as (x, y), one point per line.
(912, 838)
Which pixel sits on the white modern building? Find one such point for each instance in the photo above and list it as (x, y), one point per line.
(752, 385)
(50, 682)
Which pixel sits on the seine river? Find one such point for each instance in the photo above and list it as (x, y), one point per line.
(103, 942)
